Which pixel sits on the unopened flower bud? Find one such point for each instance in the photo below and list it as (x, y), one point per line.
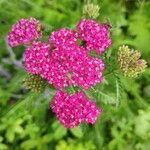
(91, 11)
(34, 83)
(129, 61)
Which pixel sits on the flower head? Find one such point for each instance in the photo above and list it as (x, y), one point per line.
(71, 110)
(24, 31)
(68, 63)
(94, 34)
(129, 61)
(72, 66)
(60, 64)
(35, 56)
(88, 72)
(63, 38)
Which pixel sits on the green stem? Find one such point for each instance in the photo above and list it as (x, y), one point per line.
(97, 132)
(93, 89)
(87, 94)
(112, 71)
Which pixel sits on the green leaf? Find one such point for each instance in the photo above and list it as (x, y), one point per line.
(144, 130)
(10, 134)
(3, 146)
(29, 144)
(77, 132)
(47, 138)
(105, 98)
(59, 131)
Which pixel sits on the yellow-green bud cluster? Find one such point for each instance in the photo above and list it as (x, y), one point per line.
(34, 83)
(91, 11)
(129, 62)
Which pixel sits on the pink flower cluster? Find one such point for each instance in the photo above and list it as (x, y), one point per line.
(24, 31)
(62, 62)
(63, 67)
(72, 67)
(35, 56)
(63, 38)
(94, 35)
(74, 109)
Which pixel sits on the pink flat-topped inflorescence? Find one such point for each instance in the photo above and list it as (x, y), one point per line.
(62, 61)
(71, 110)
(24, 31)
(35, 56)
(63, 38)
(94, 34)
(88, 73)
(72, 66)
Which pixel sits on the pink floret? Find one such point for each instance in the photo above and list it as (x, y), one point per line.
(94, 34)
(71, 110)
(36, 56)
(63, 38)
(24, 31)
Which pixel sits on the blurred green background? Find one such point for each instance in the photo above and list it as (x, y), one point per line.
(26, 121)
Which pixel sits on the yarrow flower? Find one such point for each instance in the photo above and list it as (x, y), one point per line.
(62, 61)
(88, 73)
(56, 66)
(96, 35)
(60, 64)
(63, 38)
(24, 31)
(71, 110)
(129, 61)
(71, 66)
(35, 56)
